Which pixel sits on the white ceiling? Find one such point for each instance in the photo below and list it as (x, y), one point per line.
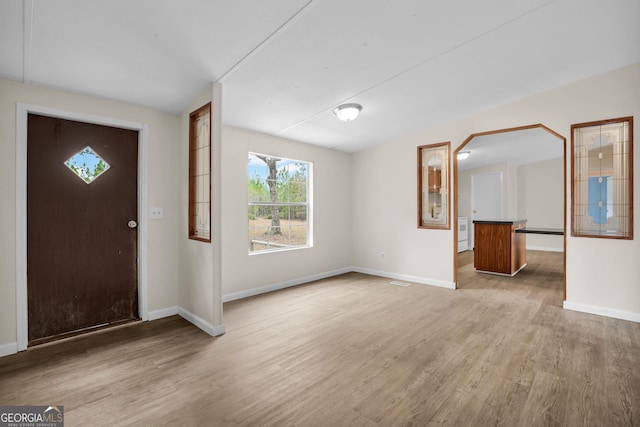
(285, 64)
(517, 147)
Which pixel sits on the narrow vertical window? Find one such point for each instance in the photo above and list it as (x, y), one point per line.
(200, 174)
(602, 179)
(433, 186)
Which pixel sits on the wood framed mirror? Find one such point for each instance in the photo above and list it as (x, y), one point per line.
(602, 179)
(433, 186)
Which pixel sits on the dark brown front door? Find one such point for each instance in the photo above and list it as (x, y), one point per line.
(81, 232)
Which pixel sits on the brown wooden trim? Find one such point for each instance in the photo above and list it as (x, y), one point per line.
(446, 226)
(602, 123)
(573, 168)
(419, 185)
(455, 216)
(564, 238)
(631, 176)
(455, 189)
(193, 116)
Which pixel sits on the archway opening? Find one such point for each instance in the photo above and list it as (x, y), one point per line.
(528, 163)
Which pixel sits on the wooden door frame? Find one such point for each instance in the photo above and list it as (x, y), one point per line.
(22, 112)
(455, 192)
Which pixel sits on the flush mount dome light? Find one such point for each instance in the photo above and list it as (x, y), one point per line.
(347, 112)
(463, 155)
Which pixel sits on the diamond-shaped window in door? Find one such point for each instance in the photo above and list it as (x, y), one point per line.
(87, 165)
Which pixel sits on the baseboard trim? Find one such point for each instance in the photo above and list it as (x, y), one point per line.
(8, 349)
(12, 347)
(405, 277)
(286, 284)
(163, 312)
(602, 311)
(544, 248)
(198, 321)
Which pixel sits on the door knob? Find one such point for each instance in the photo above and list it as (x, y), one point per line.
(132, 224)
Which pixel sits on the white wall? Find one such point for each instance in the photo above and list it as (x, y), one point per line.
(464, 187)
(533, 192)
(200, 284)
(162, 191)
(602, 274)
(364, 204)
(185, 276)
(464, 193)
(245, 274)
(386, 217)
(541, 201)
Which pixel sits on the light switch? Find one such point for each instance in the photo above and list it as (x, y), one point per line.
(156, 212)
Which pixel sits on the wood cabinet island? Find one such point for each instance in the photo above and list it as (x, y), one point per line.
(498, 248)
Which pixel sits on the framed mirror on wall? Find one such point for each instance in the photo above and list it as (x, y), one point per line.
(602, 179)
(433, 186)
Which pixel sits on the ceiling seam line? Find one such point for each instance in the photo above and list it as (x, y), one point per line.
(433, 58)
(27, 39)
(264, 42)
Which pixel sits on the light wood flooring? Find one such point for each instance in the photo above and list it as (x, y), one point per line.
(353, 350)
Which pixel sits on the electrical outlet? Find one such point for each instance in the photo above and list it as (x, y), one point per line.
(156, 212)
(381, 255)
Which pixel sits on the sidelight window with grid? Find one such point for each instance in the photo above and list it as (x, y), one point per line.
(200, 174)
(602, 179)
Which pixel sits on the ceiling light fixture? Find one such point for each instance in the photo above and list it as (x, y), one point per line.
(347, 112)
(463, 155)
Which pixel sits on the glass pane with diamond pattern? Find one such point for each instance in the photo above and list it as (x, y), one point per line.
(87, 165)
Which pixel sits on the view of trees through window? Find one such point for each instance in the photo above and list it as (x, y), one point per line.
(87, 165)
(278, 203)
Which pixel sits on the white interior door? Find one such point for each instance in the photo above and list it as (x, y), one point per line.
(486, 198)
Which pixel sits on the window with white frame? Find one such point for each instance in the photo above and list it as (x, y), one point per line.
(279, 203)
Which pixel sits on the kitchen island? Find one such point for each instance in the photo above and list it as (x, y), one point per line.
(498, 248)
